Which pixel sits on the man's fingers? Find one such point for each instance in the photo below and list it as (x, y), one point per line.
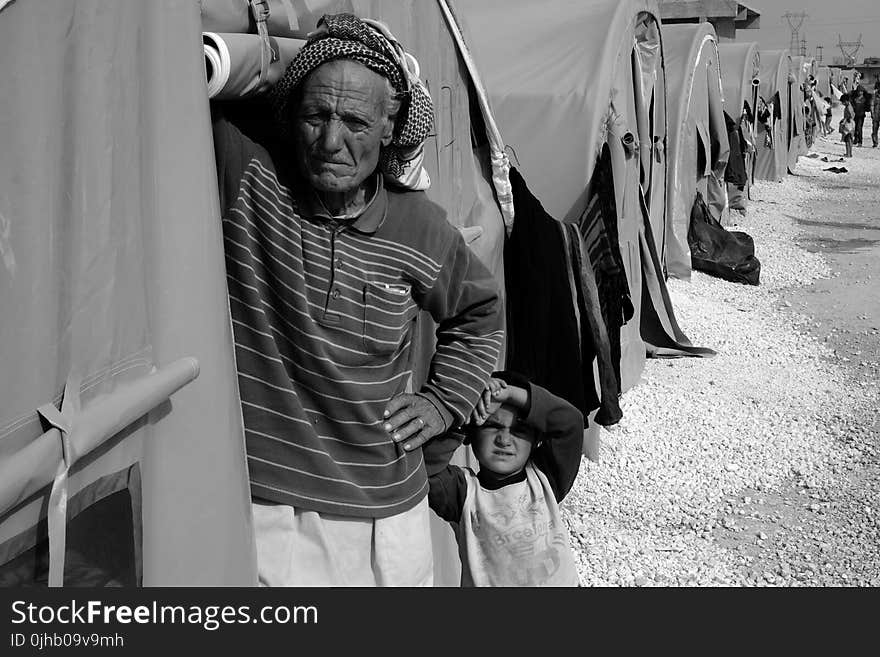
(412, 420)
(397, 402)
(399, 418)
(417, 441)
(407, 430)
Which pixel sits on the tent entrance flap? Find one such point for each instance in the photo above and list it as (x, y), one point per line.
(103, 539)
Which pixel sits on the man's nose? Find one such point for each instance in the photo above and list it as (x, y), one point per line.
(332, 139)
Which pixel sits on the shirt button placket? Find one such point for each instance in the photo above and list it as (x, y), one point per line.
(334, 291)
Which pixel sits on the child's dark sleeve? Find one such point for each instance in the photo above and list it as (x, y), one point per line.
(447, 492)
(447, 483)
(561, 427)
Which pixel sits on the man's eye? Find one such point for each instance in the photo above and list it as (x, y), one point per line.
(356, 125)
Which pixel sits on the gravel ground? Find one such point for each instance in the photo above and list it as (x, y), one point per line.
(757, 466)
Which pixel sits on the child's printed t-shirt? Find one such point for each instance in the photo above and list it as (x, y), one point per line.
(514, 535)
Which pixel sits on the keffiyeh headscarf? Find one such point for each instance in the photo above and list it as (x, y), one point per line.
(343, 36)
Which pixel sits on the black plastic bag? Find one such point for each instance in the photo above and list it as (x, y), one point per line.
(719, 252)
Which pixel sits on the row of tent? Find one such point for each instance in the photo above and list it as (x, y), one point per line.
(121, 439)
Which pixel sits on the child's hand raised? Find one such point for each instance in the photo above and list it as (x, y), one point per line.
(493, 396)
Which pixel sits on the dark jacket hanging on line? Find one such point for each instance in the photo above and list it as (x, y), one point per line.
(550, 334)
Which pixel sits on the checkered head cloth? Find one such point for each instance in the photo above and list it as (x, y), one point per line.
(344, 36)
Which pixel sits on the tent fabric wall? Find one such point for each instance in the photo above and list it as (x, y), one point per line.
(772, 162)
(112, 259)
(698, 144)
(740, 69)
(572, 89)
(799, 73)
(552, 81)
(741, 79)
(834, 74)
(823, 81)
(809, 68)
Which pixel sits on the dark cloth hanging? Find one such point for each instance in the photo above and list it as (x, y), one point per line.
(777, 107)
(658, 325)
(543, 335)
(594, 334)
(736, 163)
(598, 226)
(717, 251)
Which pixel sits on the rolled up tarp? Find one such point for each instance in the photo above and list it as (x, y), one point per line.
(34, 467)
(234, 63)
(287, 18)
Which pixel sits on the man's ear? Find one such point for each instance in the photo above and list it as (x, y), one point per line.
(388, 130)
(392, 108)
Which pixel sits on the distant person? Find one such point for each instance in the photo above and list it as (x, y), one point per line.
(809, 124)
(861, 104)
(847, 124)
(828, 116)
(875, 112)
(528, 443)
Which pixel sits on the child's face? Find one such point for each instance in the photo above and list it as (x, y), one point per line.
(499, 446)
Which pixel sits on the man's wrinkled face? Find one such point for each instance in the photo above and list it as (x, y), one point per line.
(340, 125)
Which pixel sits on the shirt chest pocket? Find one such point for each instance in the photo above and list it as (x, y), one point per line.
(389, 311)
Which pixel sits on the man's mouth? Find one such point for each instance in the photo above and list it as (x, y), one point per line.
(331, 163)
(500, 452)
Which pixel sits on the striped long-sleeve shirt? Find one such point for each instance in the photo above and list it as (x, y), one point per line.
(323, 314)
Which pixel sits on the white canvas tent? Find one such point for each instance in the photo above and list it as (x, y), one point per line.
(741, 81)
(588, 74)
(823, 81)
(112, 266)
(698, 142)
(801, 69)
(772, 161)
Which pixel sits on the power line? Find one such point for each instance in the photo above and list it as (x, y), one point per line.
(849, 49)
(795, 21)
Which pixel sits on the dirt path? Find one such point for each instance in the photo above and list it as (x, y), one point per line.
(760, 466)
(828, 534)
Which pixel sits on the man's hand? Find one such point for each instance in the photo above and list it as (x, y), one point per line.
(413, 419)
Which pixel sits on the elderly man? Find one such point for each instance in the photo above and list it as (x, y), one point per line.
(328, 265)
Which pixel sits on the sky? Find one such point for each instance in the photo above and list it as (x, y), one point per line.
(825, 21)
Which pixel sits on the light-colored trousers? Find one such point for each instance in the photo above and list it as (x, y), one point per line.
(296, 547)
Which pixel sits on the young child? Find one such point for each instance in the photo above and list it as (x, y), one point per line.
(847, 124)
(506, 516)
(828, 116)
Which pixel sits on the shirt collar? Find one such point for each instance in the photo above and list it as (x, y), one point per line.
(309, 204)
(491, 481)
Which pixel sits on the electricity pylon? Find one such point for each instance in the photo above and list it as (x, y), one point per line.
(849, 49)
(795, 21)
